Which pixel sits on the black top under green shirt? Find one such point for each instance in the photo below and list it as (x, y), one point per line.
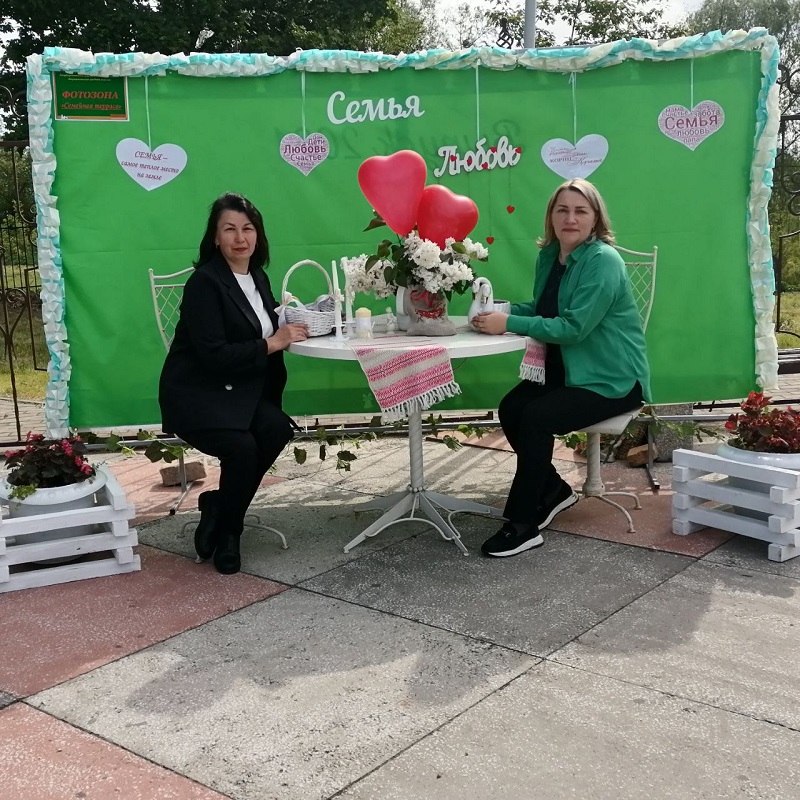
(547, 307)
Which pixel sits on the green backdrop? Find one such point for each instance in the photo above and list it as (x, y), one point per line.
(692, 204)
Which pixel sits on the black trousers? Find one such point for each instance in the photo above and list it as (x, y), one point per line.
(531, 415)
(244, 457)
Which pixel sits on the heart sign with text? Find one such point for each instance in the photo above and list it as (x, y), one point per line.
(151, 168)
(578, 160)
(444, 214)
(305, 154)
(393, 186)
(691, 126)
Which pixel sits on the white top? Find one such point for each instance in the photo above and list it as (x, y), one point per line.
(465, 344)
(248, 286)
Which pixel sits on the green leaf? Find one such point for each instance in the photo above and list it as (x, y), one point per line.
(300, 455)
(458, 247)
(112, 443)
(374, 223)
(154, 451)
(451, 442)
(371, 262)
(143, 435)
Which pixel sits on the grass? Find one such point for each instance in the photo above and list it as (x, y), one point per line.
(31, 383)
(790, 319)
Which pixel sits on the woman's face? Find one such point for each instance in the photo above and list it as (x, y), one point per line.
(573, 219)
(236, 238)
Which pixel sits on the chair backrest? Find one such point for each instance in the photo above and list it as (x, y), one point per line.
(167, 292)
(642, 272)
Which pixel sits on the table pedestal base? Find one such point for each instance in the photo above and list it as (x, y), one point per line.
(418, 504)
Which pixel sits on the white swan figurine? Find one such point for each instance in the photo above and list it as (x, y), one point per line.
(482, 298)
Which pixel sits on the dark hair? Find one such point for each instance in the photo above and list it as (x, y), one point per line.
(234, 202)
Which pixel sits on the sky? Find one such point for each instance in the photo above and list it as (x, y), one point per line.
(674, 10)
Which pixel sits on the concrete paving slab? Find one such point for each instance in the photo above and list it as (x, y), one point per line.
(727, 637)
(293, 698)
(558, 734)
(744, 553)
(46, 759)
(6, 699)
(371, 462)
(317, 520)
(534, 602)
(382, 468)
(653, 522)
(54, 633)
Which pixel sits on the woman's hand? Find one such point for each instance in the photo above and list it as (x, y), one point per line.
(491, 322)
(293, 332)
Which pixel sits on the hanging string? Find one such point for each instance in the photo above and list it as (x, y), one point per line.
(147, 111)
(477, 104)
(303, 95)
(573, 79)
(691, 83)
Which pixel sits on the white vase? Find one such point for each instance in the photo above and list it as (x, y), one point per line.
(400, 312)
(54, 500)
(789, 461)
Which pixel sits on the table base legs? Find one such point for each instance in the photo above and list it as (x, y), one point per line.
(431, 508)
(417, 504)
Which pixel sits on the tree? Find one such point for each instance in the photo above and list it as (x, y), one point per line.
(588, 21)
(782, 19)
(265, 26)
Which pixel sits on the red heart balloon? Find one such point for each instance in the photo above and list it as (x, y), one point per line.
(443, 214)
(393, 186)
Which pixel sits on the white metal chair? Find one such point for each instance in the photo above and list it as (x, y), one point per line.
(642, 271)
(167, 292)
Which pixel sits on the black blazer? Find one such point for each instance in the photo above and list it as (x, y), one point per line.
(217, 368)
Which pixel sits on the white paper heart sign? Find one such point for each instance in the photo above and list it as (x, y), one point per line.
(690, 127)
(578, 160)
(151, 168)
(305, 154)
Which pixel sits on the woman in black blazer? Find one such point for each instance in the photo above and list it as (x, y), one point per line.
(223, 379)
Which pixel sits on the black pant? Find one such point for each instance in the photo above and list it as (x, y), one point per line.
(244, 457)
(531, 415)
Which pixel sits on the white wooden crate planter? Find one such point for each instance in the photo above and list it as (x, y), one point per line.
(113, 536)
(766, 508)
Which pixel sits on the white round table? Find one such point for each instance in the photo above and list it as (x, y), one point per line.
(404, 506)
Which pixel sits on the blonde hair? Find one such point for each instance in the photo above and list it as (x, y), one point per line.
(602, 225)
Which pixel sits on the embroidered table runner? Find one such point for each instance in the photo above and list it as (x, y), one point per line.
(532, 366)
(406, 373)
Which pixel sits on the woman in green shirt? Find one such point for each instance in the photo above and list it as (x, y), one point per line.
(596, 363)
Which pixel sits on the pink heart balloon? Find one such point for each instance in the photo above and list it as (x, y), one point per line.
(393, 186)
(443, 214)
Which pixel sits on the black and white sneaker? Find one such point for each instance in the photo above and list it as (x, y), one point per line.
(560, 501)
(512, 539)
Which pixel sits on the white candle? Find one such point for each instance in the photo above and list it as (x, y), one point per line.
(363, 323)
(337, 301)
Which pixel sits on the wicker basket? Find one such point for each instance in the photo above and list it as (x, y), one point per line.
(320, 323)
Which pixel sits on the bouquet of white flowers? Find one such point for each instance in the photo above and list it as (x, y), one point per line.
(414, 262)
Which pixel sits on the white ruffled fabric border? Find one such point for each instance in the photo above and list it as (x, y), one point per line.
(569, 59)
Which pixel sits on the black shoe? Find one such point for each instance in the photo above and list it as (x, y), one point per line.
(560, 501)
(205, 535)
(511, 539)
(227, 558)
